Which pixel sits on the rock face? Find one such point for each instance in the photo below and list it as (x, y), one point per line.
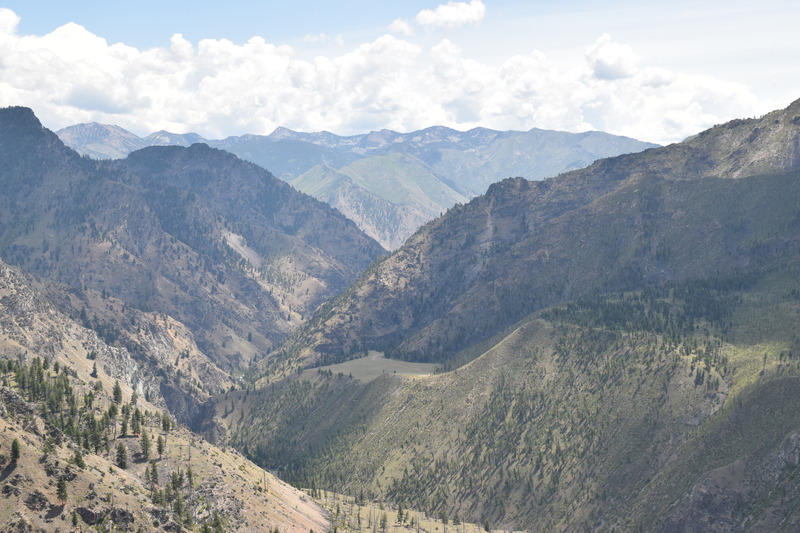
(144, 358)
(220, 245)
(101, 141)
(92, 516)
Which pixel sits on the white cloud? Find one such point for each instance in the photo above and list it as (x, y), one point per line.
(323, 38)
(452, 14)
(219, 88)
(8, 22)
(401, 27)
(609, 60)
(316, 38)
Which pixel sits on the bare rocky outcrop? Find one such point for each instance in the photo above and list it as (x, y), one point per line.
(92, 516)
(37, 501)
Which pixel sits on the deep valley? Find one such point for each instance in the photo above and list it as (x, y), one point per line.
(188, 343)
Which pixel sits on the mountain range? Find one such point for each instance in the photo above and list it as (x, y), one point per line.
(611, 349)
(389, 183)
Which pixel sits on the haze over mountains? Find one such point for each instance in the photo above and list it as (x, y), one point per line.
(617, 346)
(389, 183)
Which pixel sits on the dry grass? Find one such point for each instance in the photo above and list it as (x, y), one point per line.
(373, 365)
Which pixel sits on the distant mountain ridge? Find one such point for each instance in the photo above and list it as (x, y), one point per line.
(460, 165)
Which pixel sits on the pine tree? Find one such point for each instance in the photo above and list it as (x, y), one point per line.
(122, 456)
(216, 523)
(112, 416)
(117, 392)
(178, 507)
(160, 445)
(153, 473)
(136, 424)
(78, 459)
(145, 443)
(61, 490)
(15, 451)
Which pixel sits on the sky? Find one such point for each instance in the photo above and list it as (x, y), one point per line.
(657, 72)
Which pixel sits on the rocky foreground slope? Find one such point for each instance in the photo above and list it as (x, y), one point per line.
(70, 429)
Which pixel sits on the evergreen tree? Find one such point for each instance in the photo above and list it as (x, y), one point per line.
(136, 424)
(78, 459)
(117, 392)
(145, 443)
(216, 523)
(178, 507)
(112, 416)
(15, 451)
(160, 444)
(122, 456)
(153, 473)
(61, 490)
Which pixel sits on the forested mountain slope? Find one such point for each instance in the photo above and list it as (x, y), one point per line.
(97, 445)
(720, 202)
(621, 343)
